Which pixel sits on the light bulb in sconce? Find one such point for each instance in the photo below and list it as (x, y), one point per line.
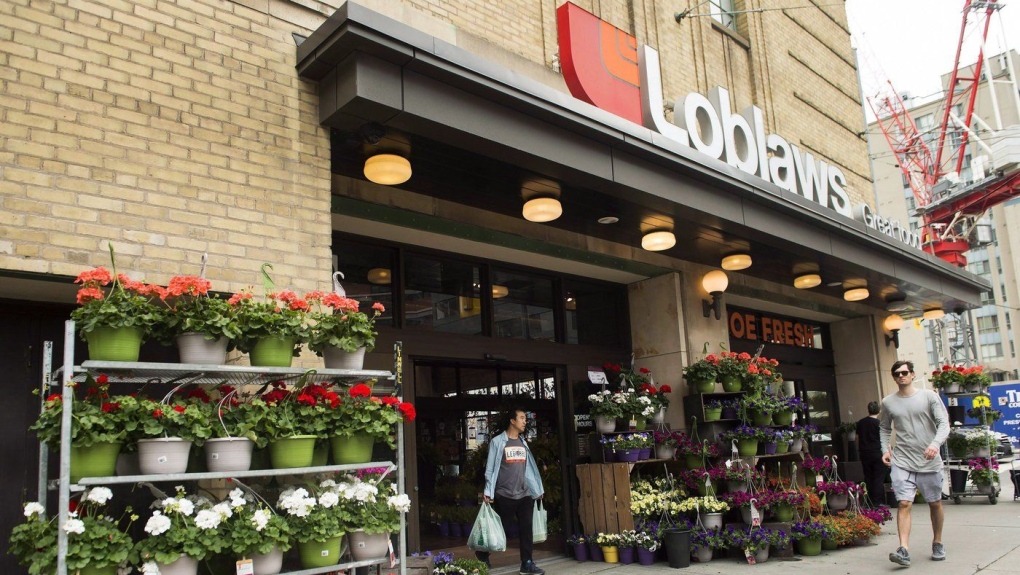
(715, 283)
(570, 303)
(499, 291)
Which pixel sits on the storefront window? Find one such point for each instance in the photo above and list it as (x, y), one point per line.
(442, 295)
(368, 275)
(593, 314)
(522, 306)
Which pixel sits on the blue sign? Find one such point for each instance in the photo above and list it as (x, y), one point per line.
(1006, 398)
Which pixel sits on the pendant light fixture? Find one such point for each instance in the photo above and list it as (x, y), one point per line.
(542, 210)
(387, 169)
(856, 294)
(658, 240)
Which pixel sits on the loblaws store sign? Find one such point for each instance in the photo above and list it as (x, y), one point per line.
(604, 66)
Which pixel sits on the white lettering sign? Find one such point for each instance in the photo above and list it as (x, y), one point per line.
(891, 228)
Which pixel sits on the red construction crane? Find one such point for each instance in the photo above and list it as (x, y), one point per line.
(947, 222)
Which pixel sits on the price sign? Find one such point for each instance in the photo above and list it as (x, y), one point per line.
(953, 401)
(755, 516)
(245, 567)
(597, 376)
(750, 556)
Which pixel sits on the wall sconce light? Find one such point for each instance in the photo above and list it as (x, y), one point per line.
(387, 169)
(499, 291)
(894, 324)
(380, 276)
(542, 210)
(715, 283)
(807, 281)
(856, 294)
(658, 240)
(570, 303)
(934, 313)
(735, 262)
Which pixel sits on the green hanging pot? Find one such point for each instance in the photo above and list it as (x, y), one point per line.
(782, 447)
(694, 461)
(272, 352)
(316, 554)
(703, 386)
(93, 570)
(98, 460)
(784, 512)
(810, 478)
(782, 417)
(809, 546)
(747, 447)
(291, 452)
(114, 343)
(355, 449)
(640, 423)
(759, 418)
(732, 383)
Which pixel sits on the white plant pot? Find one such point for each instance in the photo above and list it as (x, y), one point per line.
(194, 348)
(127, 464)
(664, 452)
(268, 564)
(735, 486)
(837, 501)
(984, 488)
(982, 452)
(761, 555)
(951, 388)
(796, 445)
(183, 566)
(369, 546)
(703, 554)
(605, 424)
(711, 520)
(228, 454)
(163, 455)
(336, 358)
(660, 416)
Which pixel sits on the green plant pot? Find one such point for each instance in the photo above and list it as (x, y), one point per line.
(810, 478)
(640, 423)
(784, 512)
(782, 417)
(829, 545)
(782, 447)
(314, 554)
(747, 447)
(272, 352)
(809, 546)
(93, 570)
(732, 383)
(759, 418)
(99, 460)
(114, 344)
(291, 452)
(704, 490)
(694, 461)
(713, 413)
(357, 449)
(703, 386)
(320, 455)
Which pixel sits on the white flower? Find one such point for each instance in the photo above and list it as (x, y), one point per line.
(75, 526)
(150, 568)
(401, 503)
(99, 495)
(207, 519)
(237, 498)
(260, 519)
(328, 484)
(329, 499)
(223, 510)
(157, 525)
(34, 508)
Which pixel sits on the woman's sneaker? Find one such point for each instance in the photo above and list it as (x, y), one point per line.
(938, 552)
(900, 557)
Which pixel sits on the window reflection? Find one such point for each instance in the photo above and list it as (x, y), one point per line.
(592, 313)
(522, 306)
(368, 275)
(442, 295)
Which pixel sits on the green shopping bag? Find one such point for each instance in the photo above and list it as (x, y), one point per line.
(540, 531)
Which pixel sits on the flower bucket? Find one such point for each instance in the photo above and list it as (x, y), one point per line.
(645, 557)
(356, 449)
(660, 416)
(784, 512)
(608, 455)
(228, 454)
(627, 455)
(314, 554)
(712, 520)
(291, 452)
(163, 455)
(99, 460)
(611, 553)
(272, 352)
(760, 418)
(713, 413)
(595, 552)
(93, 570)
(268, 564)
(703, 554)
(837, 501)
(678, 547)
(810, 478)
(732, 384)
(783, 447)
(183, 566)
(809, 546)
(626, 555)
(193, 347)
(336, 358)
(114, 343)
(703, 386)
(747, 447)
(581, 552)
(664, 451)
(784, 417)
(605, 424)
(368, 545)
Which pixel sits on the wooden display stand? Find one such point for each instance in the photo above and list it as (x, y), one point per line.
(604, 503)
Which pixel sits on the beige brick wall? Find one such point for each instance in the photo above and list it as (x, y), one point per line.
(168, 129)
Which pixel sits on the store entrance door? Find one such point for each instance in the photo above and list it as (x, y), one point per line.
(460, 408)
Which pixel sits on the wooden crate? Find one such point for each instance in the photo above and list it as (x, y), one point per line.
(605, 497)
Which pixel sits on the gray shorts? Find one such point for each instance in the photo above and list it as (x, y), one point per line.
(906, 484)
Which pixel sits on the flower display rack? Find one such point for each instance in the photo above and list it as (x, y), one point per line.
(141, 373)
(959, 465)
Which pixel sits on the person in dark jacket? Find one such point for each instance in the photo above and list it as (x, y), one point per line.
(869, 446)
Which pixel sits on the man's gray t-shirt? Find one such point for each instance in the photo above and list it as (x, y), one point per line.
(921, 421)
(510, 481)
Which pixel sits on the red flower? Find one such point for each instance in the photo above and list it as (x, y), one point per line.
(55, 397)
(378, 307)
(644, 370)
(200, 394)
(109, 407)
(360, 390)
(157, 413)
(99, 276)
(408, 410)
(390, 400)
(103, 379)
(665, 389)
(179, 408)
(306, 399)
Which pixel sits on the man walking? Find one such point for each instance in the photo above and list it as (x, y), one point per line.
(869, 445)
(512, 483)
(922, 425)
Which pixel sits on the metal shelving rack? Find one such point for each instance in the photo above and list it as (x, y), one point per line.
(959, 463)
(173, 373)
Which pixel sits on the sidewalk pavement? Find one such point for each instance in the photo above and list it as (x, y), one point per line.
(978, 537)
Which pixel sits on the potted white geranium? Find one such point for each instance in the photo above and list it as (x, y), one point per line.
(183, 531)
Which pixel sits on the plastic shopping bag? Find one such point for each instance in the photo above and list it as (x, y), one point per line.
(487, 532)
(539, 530)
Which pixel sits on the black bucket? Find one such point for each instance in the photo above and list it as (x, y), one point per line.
(958, 480)
(678, 547)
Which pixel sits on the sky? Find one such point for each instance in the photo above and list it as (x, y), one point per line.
(913, 42)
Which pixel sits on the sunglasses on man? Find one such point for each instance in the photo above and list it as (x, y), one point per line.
(902, 373)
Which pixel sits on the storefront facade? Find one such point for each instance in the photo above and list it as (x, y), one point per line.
(199, 127)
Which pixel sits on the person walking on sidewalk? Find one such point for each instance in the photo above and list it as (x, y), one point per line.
(922, 426)
(869, 445)
(512, 484)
